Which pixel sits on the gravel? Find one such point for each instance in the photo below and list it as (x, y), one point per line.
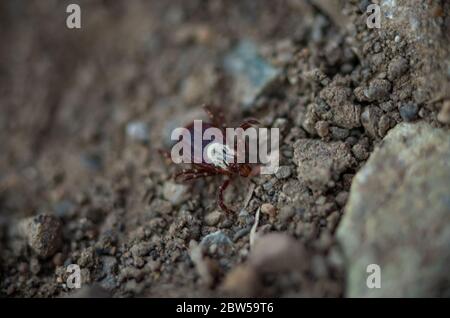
(409, 111)
(320, 162)
(397, 67)
(283, 172)
(444, 113)
(175, 193)
(43, 233)
(138, 131)
(213, 218)
(378, 90)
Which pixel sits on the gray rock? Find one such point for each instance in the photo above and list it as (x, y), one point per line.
(138, 131)
(409, 111)
(309, 120)
(341, 198)
(286, 213)
(398, 216)
(175, 193)
(339, 133)
(387, 106)
(378, 90)
(335, 95)
(319, 162)
(43, 233)
(344, 113)
(252, 73)
(283, 172)
(280, 123)
(109, 264)
(444, 113)
(322, 128)
(213, 218)
(217, 238)
(397, 67)
(141, 249)
(87, 258)
(360, 152)
(245, 218)
(159, 206)
(347, 115)
(241, 233)
(384, 124)
(370, 119)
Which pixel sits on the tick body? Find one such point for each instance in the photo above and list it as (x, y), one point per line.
(217, 157)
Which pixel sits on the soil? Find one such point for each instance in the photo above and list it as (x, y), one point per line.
(84, 113)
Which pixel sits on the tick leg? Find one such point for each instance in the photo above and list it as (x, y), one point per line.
(210, 168)
(220, 199)
(216, 116)
(166, 155)
(197, 176)
(191, 174)
(249, 123)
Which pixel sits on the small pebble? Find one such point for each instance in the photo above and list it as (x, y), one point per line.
(175, 193)
(321, 200)
(268, 186)
(141, 249)
(211, 219)
(138, 131)
(35, 267)
(341, 198)
(283, 172)
(351, 140)
(23, 268)
(444, 114)
(109, 264)
(58, 259)
(280, 123)
(216, 238)
(322, 128)
(360, 152)
(387, 106)
(339, 133)
(269, 209)
(44, 234)
(409, 111)
(87, 258)
(383, 125)
(378, 89)
(370, 118)
(241, 233)
(286, 213)
(397, 67)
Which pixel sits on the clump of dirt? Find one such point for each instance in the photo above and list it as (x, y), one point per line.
(85, 112)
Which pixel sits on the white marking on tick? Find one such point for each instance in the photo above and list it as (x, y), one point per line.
(220, 155)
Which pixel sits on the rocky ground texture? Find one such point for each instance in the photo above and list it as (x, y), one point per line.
(364, 116)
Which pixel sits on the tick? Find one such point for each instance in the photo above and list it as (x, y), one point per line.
(222, 158)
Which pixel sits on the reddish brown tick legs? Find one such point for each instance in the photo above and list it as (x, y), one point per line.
(216, 165)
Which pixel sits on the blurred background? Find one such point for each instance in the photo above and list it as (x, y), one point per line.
(67, 95)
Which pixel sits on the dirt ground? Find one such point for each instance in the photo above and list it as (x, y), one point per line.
(85, 111)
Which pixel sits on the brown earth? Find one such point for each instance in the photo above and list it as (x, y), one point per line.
(69, 100)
